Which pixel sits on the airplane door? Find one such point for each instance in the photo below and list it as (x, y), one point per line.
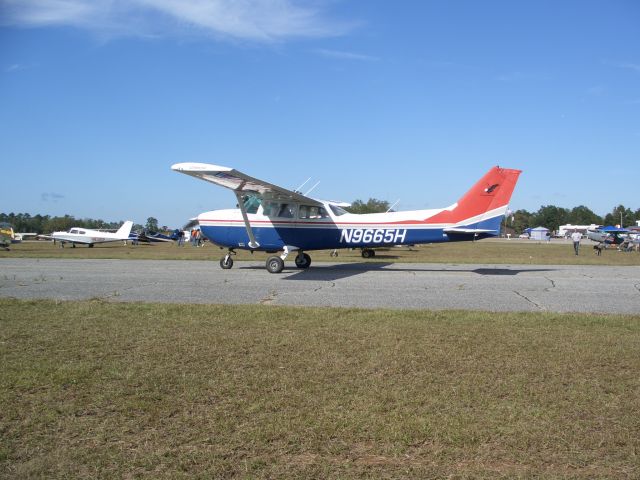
(278, 226)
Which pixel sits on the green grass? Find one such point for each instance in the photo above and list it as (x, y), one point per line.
(93, 389)
(558, 252)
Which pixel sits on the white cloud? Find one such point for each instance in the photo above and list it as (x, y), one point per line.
(521, 77)
(14, 68)
(255, 20)
(630, 66)
(597, 91)
(345, 55)
(53, 197)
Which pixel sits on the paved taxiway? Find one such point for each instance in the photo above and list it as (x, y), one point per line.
(371, 285)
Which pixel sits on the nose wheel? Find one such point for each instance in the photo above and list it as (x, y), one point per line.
(226, 262)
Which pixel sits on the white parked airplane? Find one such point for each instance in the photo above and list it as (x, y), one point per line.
(86, 236)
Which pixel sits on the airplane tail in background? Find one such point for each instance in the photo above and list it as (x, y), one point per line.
(483, 204)
(124, 231)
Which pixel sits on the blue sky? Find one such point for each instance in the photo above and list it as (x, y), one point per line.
(410, 100)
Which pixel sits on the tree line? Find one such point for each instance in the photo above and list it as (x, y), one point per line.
(548, 216)
(551, 217)
(24, 222)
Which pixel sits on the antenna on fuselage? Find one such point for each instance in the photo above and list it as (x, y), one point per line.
(299, 189)
(391, 207)
(309, 191)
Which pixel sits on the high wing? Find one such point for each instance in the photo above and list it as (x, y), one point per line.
(241, 183)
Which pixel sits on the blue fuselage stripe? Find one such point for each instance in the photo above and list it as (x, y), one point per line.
(308, 237)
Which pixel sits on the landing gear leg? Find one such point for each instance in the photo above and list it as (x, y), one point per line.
(226, 262)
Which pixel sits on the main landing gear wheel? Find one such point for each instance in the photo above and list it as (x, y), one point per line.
(368, 253)
(275, 264)
(226, 262)
(303, 260)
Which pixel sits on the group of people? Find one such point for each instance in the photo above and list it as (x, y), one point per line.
(195, 238)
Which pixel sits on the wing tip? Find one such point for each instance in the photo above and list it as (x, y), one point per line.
(198, 167)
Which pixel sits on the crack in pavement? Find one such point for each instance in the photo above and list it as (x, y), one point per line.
(269, 299)
(529, 300)
(332, 285)
(553, 284)
(117, 293)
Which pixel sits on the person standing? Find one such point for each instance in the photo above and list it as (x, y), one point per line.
(576, 236)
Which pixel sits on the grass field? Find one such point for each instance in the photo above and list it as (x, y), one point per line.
(93, 389)
(558, 252)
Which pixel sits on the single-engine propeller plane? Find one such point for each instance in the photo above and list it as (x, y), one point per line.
(272, 219)
(609, 235)
(86, 236)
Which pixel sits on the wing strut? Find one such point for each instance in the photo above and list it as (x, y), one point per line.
(252, 239)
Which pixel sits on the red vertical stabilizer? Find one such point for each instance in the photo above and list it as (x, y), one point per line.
(492, 191)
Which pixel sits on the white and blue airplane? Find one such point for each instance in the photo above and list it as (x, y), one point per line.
(272, 219)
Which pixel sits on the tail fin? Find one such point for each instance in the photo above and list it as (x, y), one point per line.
(487, 200)
(124, 231)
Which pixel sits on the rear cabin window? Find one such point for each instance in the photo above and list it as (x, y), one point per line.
(312, 212)
(337, 211)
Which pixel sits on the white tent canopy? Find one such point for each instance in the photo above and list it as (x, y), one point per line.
(539, 233)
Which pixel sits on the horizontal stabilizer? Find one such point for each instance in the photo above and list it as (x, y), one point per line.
(468, 230)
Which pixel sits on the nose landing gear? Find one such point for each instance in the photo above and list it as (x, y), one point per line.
(226, 262)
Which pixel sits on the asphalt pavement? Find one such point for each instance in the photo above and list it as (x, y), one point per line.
(553, 288)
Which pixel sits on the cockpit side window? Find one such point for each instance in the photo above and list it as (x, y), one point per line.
(287, 210)
(268, 207)
(251, 203)
(277, 209)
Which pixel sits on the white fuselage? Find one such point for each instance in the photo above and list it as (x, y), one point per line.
(87, 236)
